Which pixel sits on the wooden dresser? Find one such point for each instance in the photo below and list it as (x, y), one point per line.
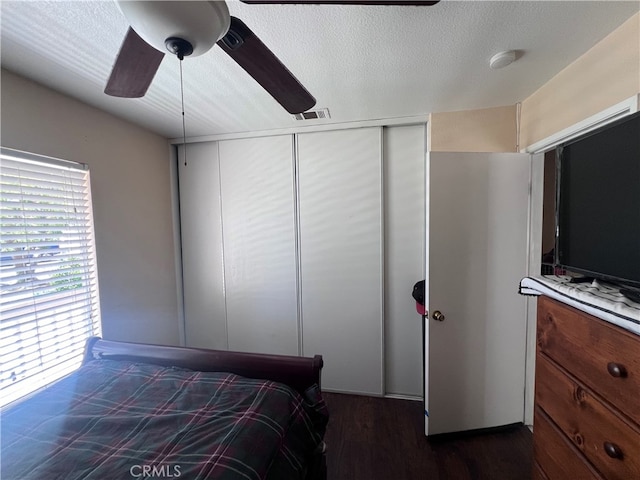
(587, 397)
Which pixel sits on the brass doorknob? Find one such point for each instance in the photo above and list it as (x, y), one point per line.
(438, 315)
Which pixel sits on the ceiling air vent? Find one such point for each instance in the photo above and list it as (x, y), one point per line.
(313, 115)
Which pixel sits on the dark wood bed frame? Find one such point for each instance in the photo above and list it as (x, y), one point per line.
(298, 372)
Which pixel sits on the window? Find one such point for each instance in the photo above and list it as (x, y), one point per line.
(49, 303)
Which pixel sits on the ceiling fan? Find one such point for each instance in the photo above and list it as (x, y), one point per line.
(192, 28)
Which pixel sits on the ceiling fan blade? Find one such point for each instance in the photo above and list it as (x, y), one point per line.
(135, 67)
(257, 60)
(417, 3)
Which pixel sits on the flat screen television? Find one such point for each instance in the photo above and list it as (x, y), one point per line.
(598, 203)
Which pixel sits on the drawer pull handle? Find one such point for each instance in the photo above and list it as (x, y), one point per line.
(613, 450)
(616, 370)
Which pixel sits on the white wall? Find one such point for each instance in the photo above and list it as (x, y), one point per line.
(131, 199)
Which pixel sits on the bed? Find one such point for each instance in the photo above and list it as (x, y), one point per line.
(148, 411)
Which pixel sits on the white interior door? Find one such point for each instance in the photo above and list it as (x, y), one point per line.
(477, 217)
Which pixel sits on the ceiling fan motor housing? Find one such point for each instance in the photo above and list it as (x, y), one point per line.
(199, 23)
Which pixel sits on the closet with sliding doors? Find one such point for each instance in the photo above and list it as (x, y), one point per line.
(309, 243)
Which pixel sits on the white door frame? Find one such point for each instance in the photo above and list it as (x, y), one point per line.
(537, 149)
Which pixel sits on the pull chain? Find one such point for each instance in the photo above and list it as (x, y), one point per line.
(184, 130)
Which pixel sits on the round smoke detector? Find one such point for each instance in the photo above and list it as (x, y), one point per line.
(502, 59)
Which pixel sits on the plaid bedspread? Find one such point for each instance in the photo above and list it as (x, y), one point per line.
(121, 420)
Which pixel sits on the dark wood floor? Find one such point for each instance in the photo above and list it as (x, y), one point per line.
(382, 439)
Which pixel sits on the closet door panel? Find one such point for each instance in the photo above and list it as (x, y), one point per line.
(404, 161)
(340, 203)
(259, 232)
(201, 232)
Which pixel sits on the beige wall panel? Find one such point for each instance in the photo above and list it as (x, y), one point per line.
(605, 75)
(131, 202)
(484, 130)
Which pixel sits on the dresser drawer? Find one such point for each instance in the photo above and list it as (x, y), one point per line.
(555, 454)
(538, 473)
(588, 423)
(605, 357)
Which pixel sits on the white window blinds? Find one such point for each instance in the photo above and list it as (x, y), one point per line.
(49, 303)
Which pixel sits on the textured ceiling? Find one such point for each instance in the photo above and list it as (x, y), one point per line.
(361, 62)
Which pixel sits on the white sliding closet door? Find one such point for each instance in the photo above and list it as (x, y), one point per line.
(201, 230)
(259, 232)
(340, 203)
(404, 200)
